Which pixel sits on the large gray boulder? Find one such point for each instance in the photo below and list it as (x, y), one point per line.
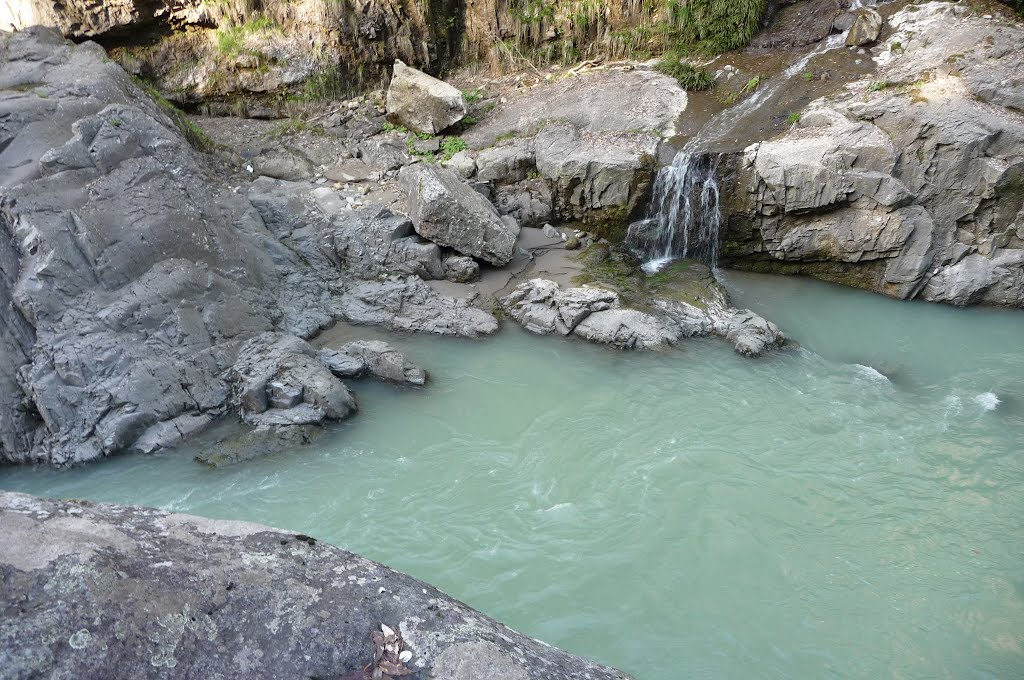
(446, 210)
(421, 102)
(279, 380)
(383, 361)
(94, 590)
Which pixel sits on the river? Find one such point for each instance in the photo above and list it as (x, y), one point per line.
(852, 508)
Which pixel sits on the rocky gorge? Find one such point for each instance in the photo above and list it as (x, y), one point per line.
(166, 272)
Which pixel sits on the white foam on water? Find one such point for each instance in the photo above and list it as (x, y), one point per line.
(988, 401)
(871, 373)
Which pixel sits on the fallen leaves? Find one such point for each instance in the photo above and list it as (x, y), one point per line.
(389, 655)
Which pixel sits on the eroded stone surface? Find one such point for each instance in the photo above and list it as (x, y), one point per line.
(92, 587)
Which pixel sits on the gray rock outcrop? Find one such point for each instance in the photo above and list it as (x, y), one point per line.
(912, 185)
(92, 590)
(590, 140)
(421, 102)
(592, 313)
(279, 380)
(132, 275)
(446, 210)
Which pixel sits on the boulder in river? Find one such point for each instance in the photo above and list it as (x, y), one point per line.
(446, 210)
(92, 590)
(421, 102)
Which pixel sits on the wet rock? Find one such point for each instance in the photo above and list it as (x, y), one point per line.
(444, 209)
(95, 580)
(751, 335)
(383, 361)
(421, 102)
(626, 329)
(261, 441)
(341, 364)
(551, 232)
(542, 307)
(867, 24)
(278, 380)
(461, 269)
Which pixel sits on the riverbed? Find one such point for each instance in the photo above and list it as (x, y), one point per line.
(852, 507)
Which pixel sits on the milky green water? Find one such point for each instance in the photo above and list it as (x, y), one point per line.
(692, 514)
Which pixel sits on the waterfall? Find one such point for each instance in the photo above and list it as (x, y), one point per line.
(685, 214)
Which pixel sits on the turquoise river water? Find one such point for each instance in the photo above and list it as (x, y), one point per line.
(691, 514)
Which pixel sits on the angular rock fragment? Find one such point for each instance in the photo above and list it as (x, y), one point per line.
(444, 209)
(421, 102)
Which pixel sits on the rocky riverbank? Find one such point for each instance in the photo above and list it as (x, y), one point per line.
(152, 289)
(908, 183)
(90, 588)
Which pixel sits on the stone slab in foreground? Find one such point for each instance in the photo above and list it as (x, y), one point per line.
(95, 590)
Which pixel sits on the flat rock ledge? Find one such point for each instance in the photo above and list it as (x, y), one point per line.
(95, 590)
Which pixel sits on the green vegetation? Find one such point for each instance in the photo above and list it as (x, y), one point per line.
(231, 40)
(451, 146)
(584, 29)
(896, 46)
(194, 134)
(689, 76)
(793, 118)
(807, 76)
(751, 85)
(877, 85)
(472, 96)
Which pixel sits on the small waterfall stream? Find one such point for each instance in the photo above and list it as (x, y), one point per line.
(685, 215)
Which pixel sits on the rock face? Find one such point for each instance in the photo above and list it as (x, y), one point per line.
(584, 148)
(912, 187)
(89, 588)
(423, 103)
(132, 276)
(446, 210)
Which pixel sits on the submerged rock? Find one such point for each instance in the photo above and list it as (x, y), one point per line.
(146, 593)
(446, 210)
(423, 103)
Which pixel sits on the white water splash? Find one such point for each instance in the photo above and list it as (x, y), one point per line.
(872, 373)
(988, 401)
